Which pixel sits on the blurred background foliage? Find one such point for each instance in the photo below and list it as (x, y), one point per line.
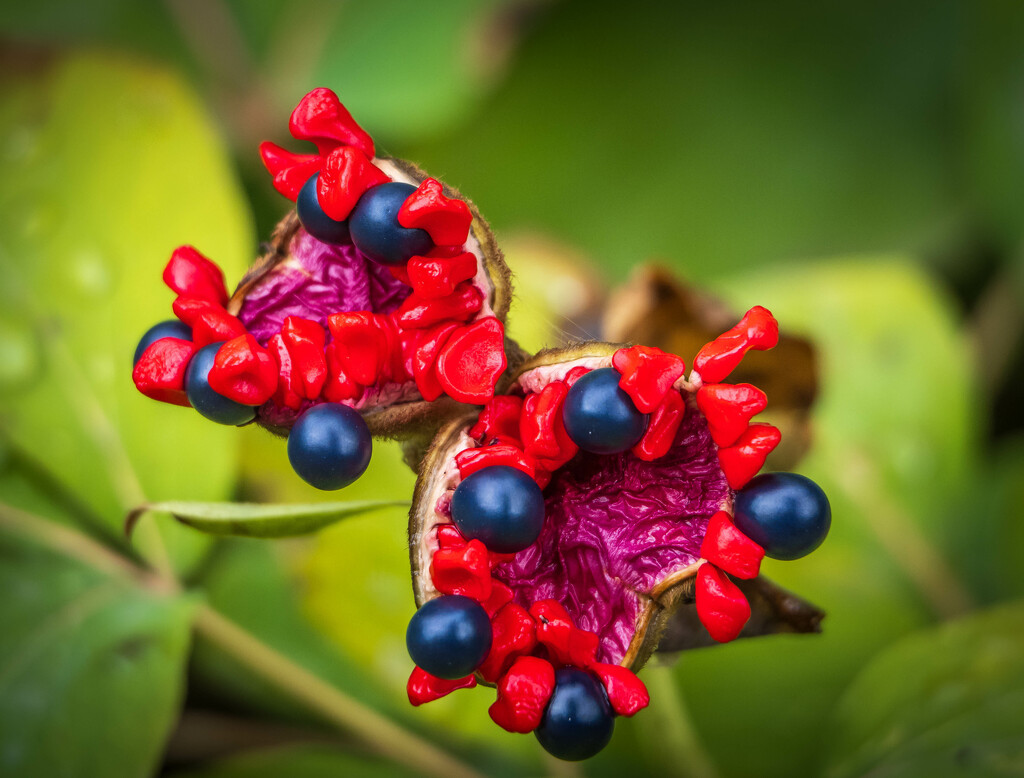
(856, 167)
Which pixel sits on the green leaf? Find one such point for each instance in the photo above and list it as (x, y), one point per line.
(942, 702)
(91, 664)
(296, 762)
(253, 520)
(108, 165)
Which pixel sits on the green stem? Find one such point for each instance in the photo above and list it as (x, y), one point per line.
(667, 725)
(381, 734)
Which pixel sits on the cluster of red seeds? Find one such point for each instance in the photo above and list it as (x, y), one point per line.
(528, 433)
(429, 339)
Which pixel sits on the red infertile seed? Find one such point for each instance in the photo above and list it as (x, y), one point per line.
(757, 330)
(244, 371)
(721, 606)
(728, 409)
(566, 643)
(210, 323)
(626, 692)
(424, 687)
(448, 536)
(432, 278)
(499, 417)
(363, 344)
(287, 394)
(575, 374)
(321, 118)
(462, 570)
(523, 694)
(513, 634)
(305, 340)
(288, 169)
(729, 549)
(501, 595)
(190, 274)
(741, 461)
(424, 361)
(541, 427)
(446, 220)
(472, 459)
(339, 386)
(661, 428)
(344, 178)
(471, 361)
(647, 374)
(160, 371)
(417, 313)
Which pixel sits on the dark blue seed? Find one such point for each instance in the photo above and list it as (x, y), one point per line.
(314, 220)
(785, 513)
(375, 228)
(501, 507)
(165, 329)
(329, 446)
(449, 636)
(600, 417)
(215, 407)
(578, 721)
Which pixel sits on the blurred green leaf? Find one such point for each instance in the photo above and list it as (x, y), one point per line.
(91, 666)
(296, 762)
(255, 520)
(108, 166)
(942, 702)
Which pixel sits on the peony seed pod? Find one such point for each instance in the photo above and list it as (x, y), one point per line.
(384, 291)
(630, 534)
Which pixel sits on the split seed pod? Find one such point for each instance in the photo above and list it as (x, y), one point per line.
(628, 538)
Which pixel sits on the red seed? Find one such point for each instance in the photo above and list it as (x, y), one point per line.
(417, 313)
(190, 274)
(464, 571)
(434, 277)
(344, 178)
(210, 323)
(575, 374)
(566, 644)
(472, 360)
(647, 374)
(757, 330)
(244, 371)
(472, 459)
(339, 386)
(523, 694)
(513, 634)
(729, 549)
(661, 428)
(541, 427)
(501, 595)
(446, 220)
(424, 687)
(305, 342)
(741, 461)
(499, 417)
(289, 170)
(400, 272)
(424, 360)
(728, 409)
(362, 344)
(321, 118)
(160, 371)
(448, 536)
(287, 393)
(721, 606)
(626, 692)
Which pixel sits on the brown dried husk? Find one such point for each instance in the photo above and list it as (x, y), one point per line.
(669, 613)
(416, 420)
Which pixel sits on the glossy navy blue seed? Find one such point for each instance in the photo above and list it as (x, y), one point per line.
(329, 446)
(375, 228)
(449, 636)
(215, 407)
(600, 417)
(578, 721)
(314, 220)
(501, 507)
(785, 513)
(165, 329)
